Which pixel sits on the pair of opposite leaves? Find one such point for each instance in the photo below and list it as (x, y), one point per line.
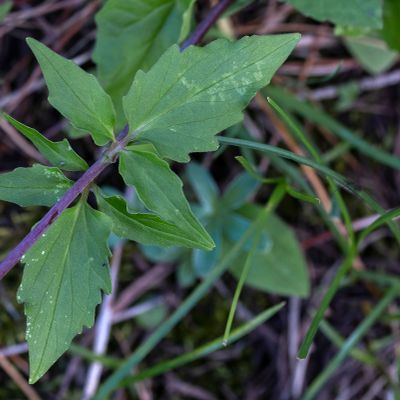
(177, 108)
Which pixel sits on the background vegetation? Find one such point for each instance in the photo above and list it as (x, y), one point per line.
(335, 102)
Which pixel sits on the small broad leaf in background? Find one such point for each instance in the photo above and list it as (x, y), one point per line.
(185, 274)
(132, 35)
(391, 23)
(236, 225)
(372, 53)
(355, 13)
(64, 274)
(76, 94)
(204, 186)
(160, 190)
(204, 261)
(5, 8)
(151, 318)
(59, 154)
(279, 265)
(147, 229)
(239, 191)
(279, 268)
(34, 186)
(188, 97)
(347, 95)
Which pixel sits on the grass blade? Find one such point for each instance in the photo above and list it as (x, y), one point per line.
(203, 351)
(317, 116)
(330, 293)
(268, 149)
(348, 345)
(239, 287)
(327, 172)
(383, 219)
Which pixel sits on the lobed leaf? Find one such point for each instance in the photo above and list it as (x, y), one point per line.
(34, 186)
(60, 154)
(64, 273)
(160, 190)
(187, 98)
(76, 94)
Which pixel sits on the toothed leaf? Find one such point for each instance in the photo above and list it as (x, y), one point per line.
(76, 94)
(188, 97)
(65, 272)
(34, 186)
(60, 154)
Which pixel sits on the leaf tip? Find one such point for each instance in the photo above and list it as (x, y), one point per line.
(35, 373)
(208, 243)
(33, 379)
(30, 41)
(297, 36)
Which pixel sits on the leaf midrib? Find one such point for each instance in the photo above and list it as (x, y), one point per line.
(89, 111)
(65, 256)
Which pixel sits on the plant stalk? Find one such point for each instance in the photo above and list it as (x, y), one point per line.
(206, 24)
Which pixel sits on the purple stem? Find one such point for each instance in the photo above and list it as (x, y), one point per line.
(206, 24)
(79, 186)
(98, 167)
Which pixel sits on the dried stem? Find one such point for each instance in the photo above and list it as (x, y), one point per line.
(103, 327)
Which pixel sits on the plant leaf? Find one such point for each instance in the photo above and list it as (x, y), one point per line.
(391, 21)
(280, 267)
(76, 94)
(60, 154)
(204, 261)
(238, 191)
(5, 8)
(34, 186)
(64, 274)
(236, 224)
(160, 190)
(132, 35)
(203, 185)
(187, 98)
(147, 229)
(354, 13)
(373, 54)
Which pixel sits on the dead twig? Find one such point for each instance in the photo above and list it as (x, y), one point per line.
(19, 380)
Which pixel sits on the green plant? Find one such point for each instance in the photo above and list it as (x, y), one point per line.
(278, 265)
(168, 102)
(201, 91)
